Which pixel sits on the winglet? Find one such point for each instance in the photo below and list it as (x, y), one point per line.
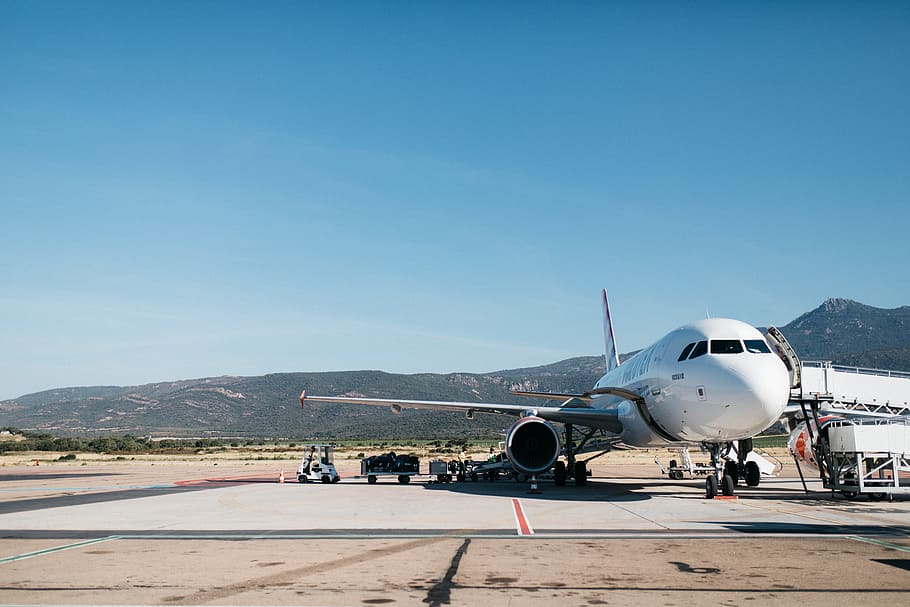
(302, 398)
(611, 356)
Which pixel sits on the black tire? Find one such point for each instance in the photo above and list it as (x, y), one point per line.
(753, 474)
(326, 478)
(404, 479)
(581, 474)
(371, 479)
(728, 485)
(337, 479)
(301, 479)
(711, 486)
(877, 497)
(672, 463)
(559, 474)
(731, 469)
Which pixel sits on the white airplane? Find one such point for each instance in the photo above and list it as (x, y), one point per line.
(709, 383)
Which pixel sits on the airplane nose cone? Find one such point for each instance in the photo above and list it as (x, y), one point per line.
(764, 393)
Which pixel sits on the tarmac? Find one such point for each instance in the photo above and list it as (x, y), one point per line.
(138, 533)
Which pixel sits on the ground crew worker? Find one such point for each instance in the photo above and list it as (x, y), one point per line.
(311, 459)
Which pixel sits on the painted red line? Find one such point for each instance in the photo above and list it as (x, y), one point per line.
(524, 528)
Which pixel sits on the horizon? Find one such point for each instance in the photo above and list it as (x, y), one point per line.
(449, 372)
(204, 189)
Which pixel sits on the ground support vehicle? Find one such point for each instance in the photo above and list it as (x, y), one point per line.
(390, 464)
(748, 469)
(869, 457)
(489, 470)
(318, 465)
(445, 471)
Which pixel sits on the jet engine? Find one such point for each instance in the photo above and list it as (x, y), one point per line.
(532, 445)
(801, 444)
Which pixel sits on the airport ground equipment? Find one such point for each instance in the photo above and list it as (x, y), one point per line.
(753, 468)
(869, 457)
(852, 390)
(445, 471)
(318, 465)
(390, 464)
(496, 465)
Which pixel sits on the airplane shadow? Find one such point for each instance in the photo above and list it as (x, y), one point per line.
(38, 476)
(595, 491)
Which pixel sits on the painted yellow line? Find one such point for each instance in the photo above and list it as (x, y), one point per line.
(29, 555)
(869, 540)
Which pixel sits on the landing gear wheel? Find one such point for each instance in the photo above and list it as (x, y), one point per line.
(728, 485)
(731, 469)
(753, 474)
(581, 474)
(559, 474)
(673, 474)
(710, 486)
(404, 479)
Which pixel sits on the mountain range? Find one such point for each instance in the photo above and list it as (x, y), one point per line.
(840, 330)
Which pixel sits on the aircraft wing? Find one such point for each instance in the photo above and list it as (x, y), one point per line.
(601, 418)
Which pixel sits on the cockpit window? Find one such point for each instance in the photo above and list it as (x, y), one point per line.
(685, 352)
(726, 346)
(701, 348)
(757, 346)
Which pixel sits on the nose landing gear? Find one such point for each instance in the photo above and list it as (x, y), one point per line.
(724, 477)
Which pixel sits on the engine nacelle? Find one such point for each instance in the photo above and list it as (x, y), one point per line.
(800, 443)
(532, 445)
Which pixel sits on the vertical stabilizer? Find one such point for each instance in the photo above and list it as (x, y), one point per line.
(611, 356)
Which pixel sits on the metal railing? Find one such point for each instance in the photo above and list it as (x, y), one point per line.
(827, 364)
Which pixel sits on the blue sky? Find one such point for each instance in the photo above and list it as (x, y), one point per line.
(207, 188)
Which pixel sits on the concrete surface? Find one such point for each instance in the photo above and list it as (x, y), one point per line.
(142, 534)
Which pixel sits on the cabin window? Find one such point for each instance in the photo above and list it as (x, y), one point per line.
(701, 348)
(726, 346)
(685, 352)
(757, 346)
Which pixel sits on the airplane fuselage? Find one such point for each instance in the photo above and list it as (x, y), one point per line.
(713, 381)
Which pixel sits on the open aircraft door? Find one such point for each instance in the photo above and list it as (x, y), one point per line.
(787, 354)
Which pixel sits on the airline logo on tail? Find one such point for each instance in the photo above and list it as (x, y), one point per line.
(611, 356)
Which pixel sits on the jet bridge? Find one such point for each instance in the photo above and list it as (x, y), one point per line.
(842, 389)
(854, 390)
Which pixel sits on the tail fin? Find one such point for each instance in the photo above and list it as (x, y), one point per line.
(611, 355)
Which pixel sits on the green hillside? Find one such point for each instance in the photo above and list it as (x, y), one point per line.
(840, 330)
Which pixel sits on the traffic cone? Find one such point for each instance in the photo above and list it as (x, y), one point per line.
(534, 488)
(36, 463)
(281, 476)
